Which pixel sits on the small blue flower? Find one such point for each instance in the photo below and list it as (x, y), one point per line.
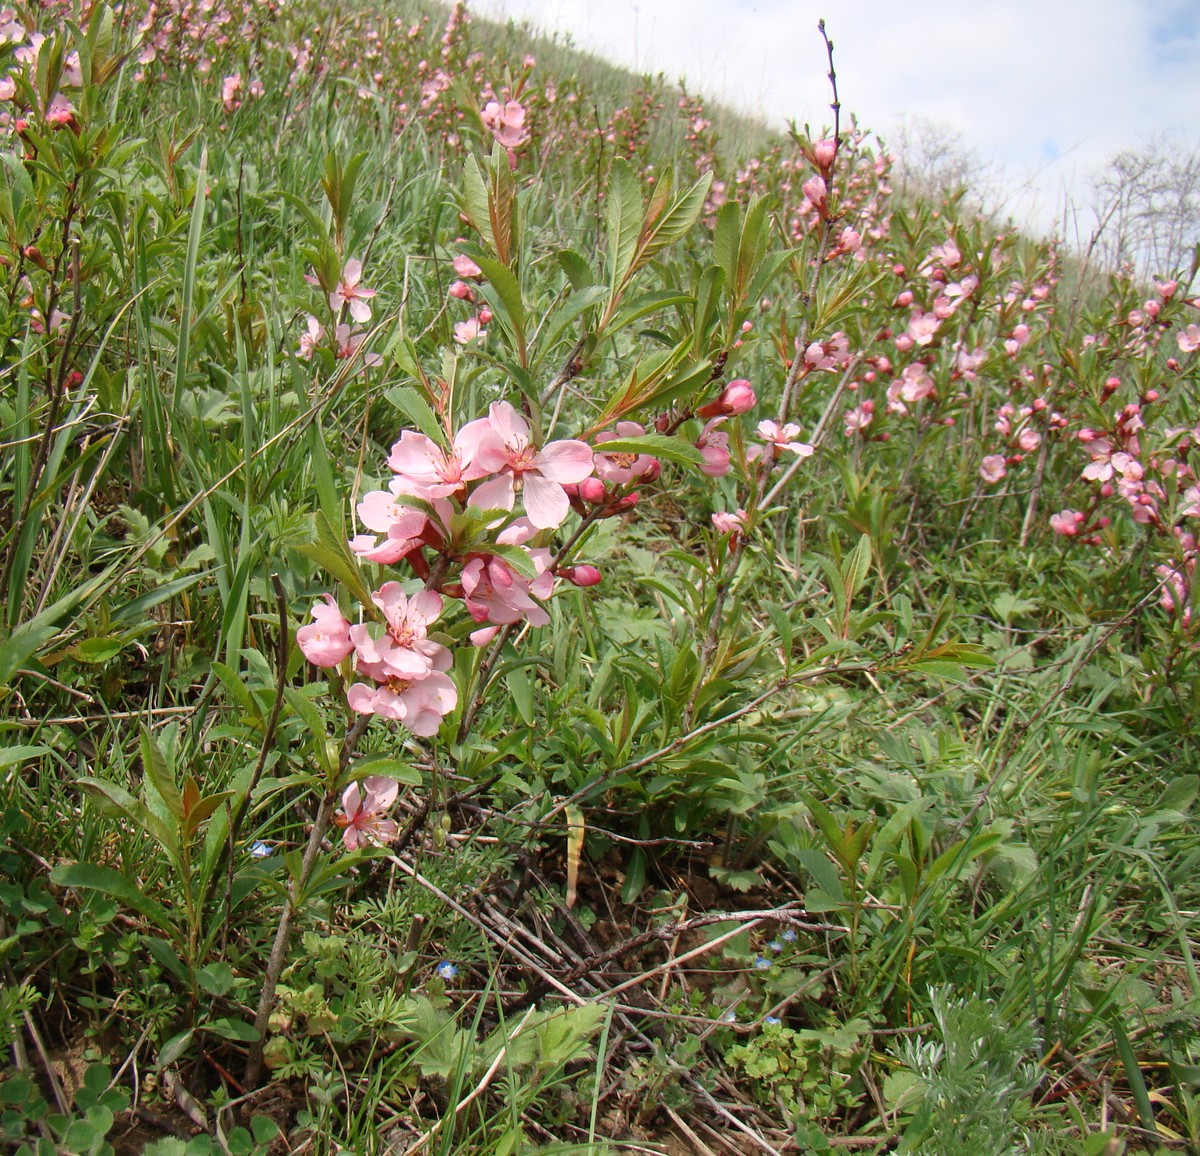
(730, 1017)
(445, 970)
(775, 945)
(260, 850)
(772, 1020)
(761, 963)
(789, 935)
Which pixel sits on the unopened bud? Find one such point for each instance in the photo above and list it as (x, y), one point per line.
(592, 490)
(485, 315)
(737, 397)
(461, 291)
(581, 575)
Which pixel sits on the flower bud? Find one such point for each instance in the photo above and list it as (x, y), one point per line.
(592, 490)
(737, 397)
(581, 575)
(461, 291)
(824, 153)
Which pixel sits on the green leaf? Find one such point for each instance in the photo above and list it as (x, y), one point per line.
(11, 756)
(410, 401)
(94, 877)
(159, 775)
(625, 209)
(388, 766)
(332, 554)
(671, 449)
(231, 1029)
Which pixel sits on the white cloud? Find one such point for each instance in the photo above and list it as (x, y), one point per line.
(1021, 80)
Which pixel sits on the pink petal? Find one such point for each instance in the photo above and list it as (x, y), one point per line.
(565, 461)
(546, 502)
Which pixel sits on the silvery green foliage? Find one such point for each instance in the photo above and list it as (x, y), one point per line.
(975, 1070)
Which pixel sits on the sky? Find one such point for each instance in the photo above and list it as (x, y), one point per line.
(1044, 92)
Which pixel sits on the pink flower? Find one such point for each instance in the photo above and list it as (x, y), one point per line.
(465, 267)
(420, 705)
(503, 446)
(729, 523)
(496, 593)
(922, 327)
(1066, 523)
(402, 527)
(1188, 339)
(60, 111)
(737, 397)
(784, 438)
(349, 342)
(713, 445)
(310, 341)
(461, 291)
(326, 641)
(467, 331)
(507, 123)
(350, 292)
(993, 468)
(404, 650)
(231, 86)
(362, 820)
(619, 469)
(824, 152)
(857, 419)
(8, 88)
(425, 470)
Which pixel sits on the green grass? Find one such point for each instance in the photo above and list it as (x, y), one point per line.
(895, 764)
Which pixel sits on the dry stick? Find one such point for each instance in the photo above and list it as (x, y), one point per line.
(508, 947)
(1035, 490)
(279, 949)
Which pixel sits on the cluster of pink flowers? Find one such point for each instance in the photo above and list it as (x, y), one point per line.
(463, 517)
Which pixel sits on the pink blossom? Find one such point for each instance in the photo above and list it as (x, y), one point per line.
(993, 468)
(426, 470)
(784, 438)
(1029, 440)
(495, 593)
(326, 641)
(350, 292)
(737, 397)
(60, 111)
(363, 806)
(419, 704)
(8, 88)
(725, 523)
(620, 469)
(1066, 523)
(467, 331)
(231, 86)
(348, 342)
(311, 340)
(403, 650)
(857, 419)
(506, 122)
(824, 152)
(1188, 339)
(402, 528)
(922, 327)
(461, 291)
(504, 447)
(581, 575)
(713, 445)
(466, 268)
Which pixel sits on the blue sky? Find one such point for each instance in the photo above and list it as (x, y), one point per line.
(1043, 90)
